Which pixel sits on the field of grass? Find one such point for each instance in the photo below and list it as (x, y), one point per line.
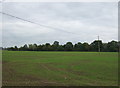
(30, 68)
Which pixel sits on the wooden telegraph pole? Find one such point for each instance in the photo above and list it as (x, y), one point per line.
(98, 45)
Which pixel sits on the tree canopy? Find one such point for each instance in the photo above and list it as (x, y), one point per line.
(95, 46)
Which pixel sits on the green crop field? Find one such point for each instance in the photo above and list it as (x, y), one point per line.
(32, 68)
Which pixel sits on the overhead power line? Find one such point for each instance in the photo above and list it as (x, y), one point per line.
(57, 29)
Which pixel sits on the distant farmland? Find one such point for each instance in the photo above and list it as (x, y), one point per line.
(32, 68)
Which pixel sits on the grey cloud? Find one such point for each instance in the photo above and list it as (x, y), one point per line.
(86, 19)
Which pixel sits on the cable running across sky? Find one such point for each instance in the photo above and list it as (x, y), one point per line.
(57, 29)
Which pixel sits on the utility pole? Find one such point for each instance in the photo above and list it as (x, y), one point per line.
(98, 45)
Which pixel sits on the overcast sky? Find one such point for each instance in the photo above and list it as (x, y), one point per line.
(74, 22)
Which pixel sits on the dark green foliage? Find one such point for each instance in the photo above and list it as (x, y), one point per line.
(47, 47)
(78, 46)
(96, 45)
(55, 46)
(85, 47)
(68, 46)
(112, 46)
(105, 48)
(24, 48)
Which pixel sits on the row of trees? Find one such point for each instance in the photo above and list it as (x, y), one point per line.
(96, 45)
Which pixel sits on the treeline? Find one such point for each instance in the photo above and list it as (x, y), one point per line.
(96, 45)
